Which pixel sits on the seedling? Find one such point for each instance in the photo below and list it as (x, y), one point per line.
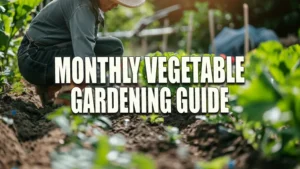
(153, 119)
(156, 119)
(173, 134)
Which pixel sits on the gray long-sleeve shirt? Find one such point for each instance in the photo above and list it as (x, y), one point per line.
(64, 21)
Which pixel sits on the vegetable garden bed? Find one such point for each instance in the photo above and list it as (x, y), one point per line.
(32, 137)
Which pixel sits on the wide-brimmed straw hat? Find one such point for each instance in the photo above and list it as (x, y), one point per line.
(131, 3)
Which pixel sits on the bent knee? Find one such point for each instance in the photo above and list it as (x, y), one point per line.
(109, 46)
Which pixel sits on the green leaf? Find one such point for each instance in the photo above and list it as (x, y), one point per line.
(144, 117)
(156, 119)
(66, 96)
(287, 135)
(291, 148)
(278, 75)
(296, 112)
(261, 95)
(64, 124)
(3, 40)
(3, 2)
(290, 56)
(217, 163)
(270, 146)
(255, 93)
(103, 149)
(77, 120)
(106, 121)
(173, 134)
(272, 49)
(2, 9)
(268, 80)
(254, 111)
(17, 88)
(140, 161)
(63, 111)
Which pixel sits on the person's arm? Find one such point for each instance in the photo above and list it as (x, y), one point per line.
(82, 29)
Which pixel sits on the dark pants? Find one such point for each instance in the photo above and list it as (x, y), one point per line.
(36, 64)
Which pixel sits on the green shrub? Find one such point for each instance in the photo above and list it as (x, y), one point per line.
(14, 19)
(270, 99)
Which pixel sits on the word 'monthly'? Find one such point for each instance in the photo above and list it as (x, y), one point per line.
(158, 70)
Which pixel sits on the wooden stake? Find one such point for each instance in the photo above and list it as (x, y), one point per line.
(212, 30)
(145, 45)
(165, 37)
(41, 6)
(190, 34)
(246, 26)
(131, 48)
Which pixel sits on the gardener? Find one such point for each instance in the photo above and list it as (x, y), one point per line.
(65, 28)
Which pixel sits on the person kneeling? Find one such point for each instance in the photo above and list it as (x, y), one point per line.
(65, 28)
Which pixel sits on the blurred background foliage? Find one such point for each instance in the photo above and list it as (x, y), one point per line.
(14, 20)
(126, 18)
(282, 16)
(201, 36)
(279, 15)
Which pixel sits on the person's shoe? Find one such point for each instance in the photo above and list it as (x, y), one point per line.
(47, 93)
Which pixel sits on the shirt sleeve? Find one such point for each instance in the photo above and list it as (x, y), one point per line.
(82, 29)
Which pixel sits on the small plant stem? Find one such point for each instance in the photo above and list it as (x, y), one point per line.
(190, 34)
(6, 51)
(145, 45)
(263, 132)
(165, 37)
(246, 26)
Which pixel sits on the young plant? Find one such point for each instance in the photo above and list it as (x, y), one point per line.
(111, 153)
(153, 119)
(270, 99)
(14, 19)
(173, 134)
(201, 38)
(218, 163)
(104, 152)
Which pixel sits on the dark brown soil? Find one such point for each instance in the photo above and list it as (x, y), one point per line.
(28, 142)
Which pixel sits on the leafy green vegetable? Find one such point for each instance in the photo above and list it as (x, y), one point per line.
(270, 98)
(217, 163)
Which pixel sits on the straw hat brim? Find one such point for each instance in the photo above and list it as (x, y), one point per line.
(131, 3)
